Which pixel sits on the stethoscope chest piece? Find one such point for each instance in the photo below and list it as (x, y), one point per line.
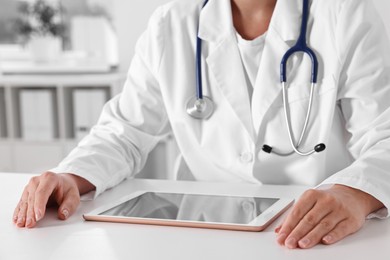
(200, 108)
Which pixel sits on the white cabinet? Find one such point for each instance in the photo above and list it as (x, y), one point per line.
(42, 117)
(36, 116)
(6, 151)
(36, 157)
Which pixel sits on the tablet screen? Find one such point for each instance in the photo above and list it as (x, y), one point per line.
(190, 207)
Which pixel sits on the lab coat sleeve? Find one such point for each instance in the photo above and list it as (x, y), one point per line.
(364, 98)
(130, 125)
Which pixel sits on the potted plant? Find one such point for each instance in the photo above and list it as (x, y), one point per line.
(41, 26)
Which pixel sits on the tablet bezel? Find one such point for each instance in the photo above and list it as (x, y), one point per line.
(257, 224)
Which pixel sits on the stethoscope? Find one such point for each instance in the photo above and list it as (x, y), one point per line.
(202, 107)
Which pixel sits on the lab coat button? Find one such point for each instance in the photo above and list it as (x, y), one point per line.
(246, 157)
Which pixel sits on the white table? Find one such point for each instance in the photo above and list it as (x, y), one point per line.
(78, 239)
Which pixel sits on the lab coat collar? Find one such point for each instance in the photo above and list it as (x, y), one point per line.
(286, 19)
(216, 21)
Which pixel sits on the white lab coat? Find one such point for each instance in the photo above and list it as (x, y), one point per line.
(350, 113)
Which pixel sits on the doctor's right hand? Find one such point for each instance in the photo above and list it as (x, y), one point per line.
(47, 189)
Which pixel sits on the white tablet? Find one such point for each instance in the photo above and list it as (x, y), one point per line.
(193, 210)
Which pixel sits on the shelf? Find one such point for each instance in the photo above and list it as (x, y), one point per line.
(70, 80)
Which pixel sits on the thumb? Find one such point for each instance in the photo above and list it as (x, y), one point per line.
(69, 204)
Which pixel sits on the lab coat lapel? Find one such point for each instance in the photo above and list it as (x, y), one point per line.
(226, 67)
(224, 60)
(282, 33)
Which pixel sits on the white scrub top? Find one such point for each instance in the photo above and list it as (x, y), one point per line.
(251, 51)
(350, 113)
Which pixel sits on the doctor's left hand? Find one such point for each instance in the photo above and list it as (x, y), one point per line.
(326, 216)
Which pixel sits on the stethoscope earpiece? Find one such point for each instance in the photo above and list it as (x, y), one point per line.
(319, 147)
(267, 148)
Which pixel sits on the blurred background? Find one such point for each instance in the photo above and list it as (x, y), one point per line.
(60, 61)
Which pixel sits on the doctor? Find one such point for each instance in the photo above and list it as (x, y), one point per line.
(243, 42)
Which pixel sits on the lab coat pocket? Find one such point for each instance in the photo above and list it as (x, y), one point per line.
(298, 91)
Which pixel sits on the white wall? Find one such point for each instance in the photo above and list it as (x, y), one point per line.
(130, 20)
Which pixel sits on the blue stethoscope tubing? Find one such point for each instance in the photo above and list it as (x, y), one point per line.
(199, 106)
(300, 46)
(202, 107)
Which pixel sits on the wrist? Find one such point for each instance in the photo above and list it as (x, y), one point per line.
(82, 184)
(368, 202)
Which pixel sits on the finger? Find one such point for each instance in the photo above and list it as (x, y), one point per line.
(69, 205)
(16, 212)
(21, 219)
(300, 209)
(17, 208)
(277, 229)
(309, 222)
(45, 189)
(23, 204)
(30, 218)
(342, 230)
(315, 236)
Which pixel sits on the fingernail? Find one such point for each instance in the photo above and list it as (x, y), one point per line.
(277, 229)
(65, 212)
(38, 215)
(291, 243)
(15, 218)
(20, 221)
(304, 242)
(328, 239)
(281, 238)
(28, 222)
